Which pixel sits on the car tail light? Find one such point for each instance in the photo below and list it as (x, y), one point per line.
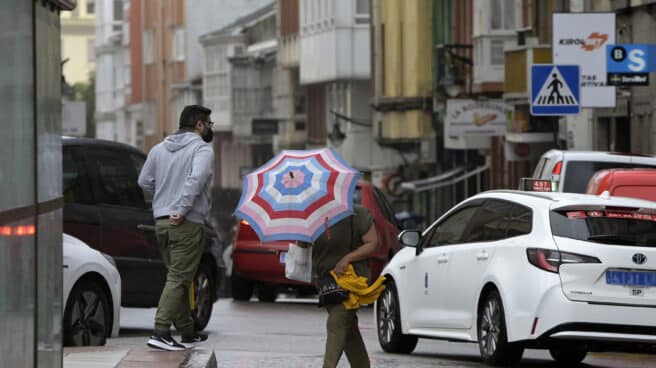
(550, 260)
(557, 168)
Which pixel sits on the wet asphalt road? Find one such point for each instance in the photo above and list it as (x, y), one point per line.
(290, 333)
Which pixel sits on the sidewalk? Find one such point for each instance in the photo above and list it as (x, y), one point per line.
(120, 357)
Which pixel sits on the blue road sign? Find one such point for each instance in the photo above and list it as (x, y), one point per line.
(627, 58)
(555, 89)
(630, 64)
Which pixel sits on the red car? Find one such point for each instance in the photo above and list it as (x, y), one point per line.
(636, 183)
(260, 267)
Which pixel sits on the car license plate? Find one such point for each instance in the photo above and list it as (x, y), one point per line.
(631, 278)
(283, 256)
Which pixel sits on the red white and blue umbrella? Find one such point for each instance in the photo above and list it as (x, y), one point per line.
(297, 195)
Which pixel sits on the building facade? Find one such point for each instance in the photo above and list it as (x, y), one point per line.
(113, 74)
(78, 41)
(289, 95)
(335, 70)
(31, 201)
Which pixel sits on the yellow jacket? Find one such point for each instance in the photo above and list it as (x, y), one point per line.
(360, 293)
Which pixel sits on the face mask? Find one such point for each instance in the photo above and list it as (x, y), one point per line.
(208, 135)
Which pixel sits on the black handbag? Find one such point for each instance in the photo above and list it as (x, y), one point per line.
(329, 291)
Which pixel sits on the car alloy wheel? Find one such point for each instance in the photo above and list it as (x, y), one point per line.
(203, 288)
(492, 334)
(388, 323)
(386, 312)
(490, 327)
(86, 318)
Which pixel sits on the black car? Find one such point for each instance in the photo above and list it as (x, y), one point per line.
(105, 208)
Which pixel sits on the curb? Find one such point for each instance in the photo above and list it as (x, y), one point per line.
(125, 357)
(97, 357)
(200, 359)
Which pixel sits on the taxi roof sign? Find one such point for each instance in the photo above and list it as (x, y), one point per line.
(537, 185)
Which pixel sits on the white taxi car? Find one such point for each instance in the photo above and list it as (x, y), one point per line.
(92, 293)
(513, 270)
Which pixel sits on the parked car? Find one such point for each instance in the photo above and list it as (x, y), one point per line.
(571, 170)
(105, 208)
(635, 183)
(92, 293)
(512, 270)
(260, 267)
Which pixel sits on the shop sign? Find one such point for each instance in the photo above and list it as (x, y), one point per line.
(472, 117)
(581, 39)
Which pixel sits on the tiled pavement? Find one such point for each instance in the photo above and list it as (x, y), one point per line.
(119, 357)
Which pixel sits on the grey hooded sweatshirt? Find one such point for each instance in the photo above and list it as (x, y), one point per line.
(179, 172)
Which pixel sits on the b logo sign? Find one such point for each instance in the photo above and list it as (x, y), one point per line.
(637, 62)
(628, 65)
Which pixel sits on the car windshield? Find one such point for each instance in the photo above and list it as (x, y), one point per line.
(608, 227)
(580, 172)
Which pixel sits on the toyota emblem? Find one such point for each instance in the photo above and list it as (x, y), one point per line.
(639, 258)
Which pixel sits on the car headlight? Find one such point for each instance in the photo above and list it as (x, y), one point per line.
(109, 259)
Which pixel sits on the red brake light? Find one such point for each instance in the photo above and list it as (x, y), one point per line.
(551, 260)
(544, 259)
(557, 168)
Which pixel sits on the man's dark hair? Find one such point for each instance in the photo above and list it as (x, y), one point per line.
(191, 114)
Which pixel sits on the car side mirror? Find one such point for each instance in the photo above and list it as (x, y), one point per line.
(410, 238)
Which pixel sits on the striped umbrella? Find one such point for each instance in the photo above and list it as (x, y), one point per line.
(297, 195)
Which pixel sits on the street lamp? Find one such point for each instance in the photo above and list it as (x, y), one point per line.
(451, 85)
(336, 136)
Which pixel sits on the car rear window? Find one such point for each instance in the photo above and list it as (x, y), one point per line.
(618, 227)
(578, 173)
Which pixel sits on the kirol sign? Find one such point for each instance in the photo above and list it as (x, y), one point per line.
(581, 39)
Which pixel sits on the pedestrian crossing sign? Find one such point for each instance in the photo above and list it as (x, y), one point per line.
(555, 89)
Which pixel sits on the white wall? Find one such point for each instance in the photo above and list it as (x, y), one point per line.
(489, 41)
(333, 46)
(204, 16)
(359, 148)
(104, 83)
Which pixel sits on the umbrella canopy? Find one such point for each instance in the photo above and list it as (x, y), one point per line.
(297, 195)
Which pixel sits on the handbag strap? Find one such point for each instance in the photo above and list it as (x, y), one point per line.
(352, 229)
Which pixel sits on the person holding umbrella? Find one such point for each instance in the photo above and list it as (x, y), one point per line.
(308, 196)
(350, 241)
(179, 172)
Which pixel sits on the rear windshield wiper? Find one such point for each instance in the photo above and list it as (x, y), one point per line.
(614, 239)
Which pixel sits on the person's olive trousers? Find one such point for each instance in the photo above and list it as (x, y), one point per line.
(181, 248)
(344, 336)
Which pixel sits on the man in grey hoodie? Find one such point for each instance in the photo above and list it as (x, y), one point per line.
(179, 172)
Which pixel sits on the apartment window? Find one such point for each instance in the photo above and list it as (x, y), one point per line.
(362, 11)
(126, 66)
(91, 6)
(118, 9)
(326, 11)
(362, 8)
(148, 46)
(314, 10)
(496, 52)
(178, 49)
(503, 14)
(91, 52)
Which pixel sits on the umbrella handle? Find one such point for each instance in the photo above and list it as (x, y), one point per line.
(325, 222)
